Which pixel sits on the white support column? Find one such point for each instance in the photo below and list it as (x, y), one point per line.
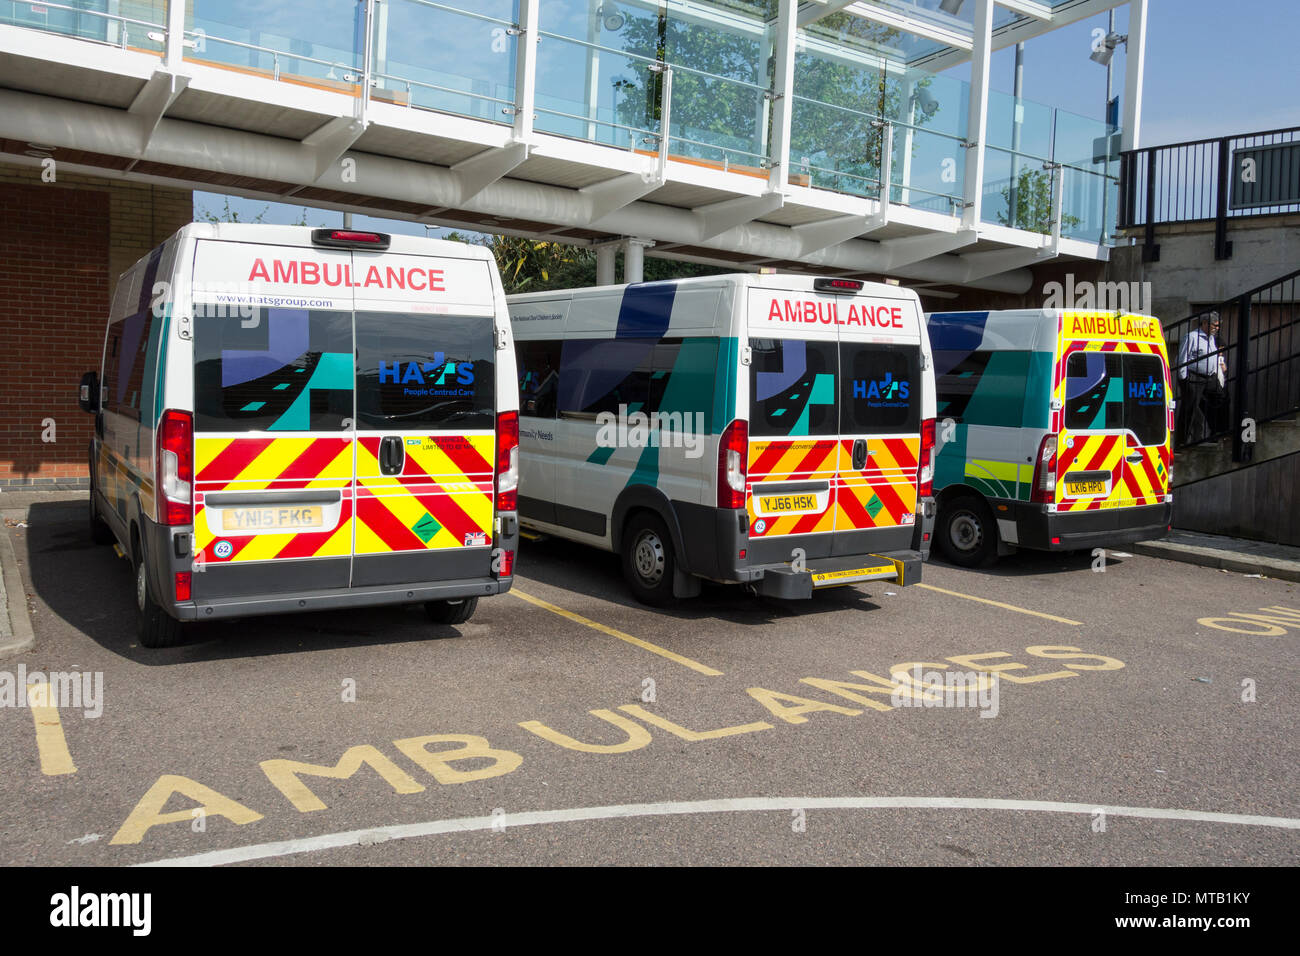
(175, 35)
(787, 31)
(909, 87)
(380, 43)
(634, 259)
(526, 71)
(1135, 55)
(977, 125)
(606, 254)
(591, 83)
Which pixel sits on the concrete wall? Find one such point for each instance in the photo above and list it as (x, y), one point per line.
(1188, 277)
(62, 246)
(1255, 502)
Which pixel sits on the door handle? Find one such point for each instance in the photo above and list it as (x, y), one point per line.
(859, 454)
(392, 456)
(1134, 459)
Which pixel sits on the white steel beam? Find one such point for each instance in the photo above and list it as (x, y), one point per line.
(908, 250)
(1135, 55)
(327, 144)
(716, 218)
(151, 103)
(1028, 8)
(483, 169)
(814, 10)
(977, 120)
(603, 199)
(900, 21)
(1018, 31)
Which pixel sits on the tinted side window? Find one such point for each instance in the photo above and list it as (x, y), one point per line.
(599, 375)
(880, 390)
(1144, 398)
(792, 387)
(424, 371)
(539, 377)
(278, 370)
(1094, 391)
(957, 377)
(124, 368)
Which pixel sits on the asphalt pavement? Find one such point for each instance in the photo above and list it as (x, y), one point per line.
(1142, 713)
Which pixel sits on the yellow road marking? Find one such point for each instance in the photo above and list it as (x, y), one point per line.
(644, 645)
(53, 746)
(1005, 607)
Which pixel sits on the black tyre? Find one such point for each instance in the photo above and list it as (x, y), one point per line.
(648, 559)
(156, 628)
(451, 612)
(967, 533)
(100, 532)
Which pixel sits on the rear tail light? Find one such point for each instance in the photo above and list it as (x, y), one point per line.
(925, 475)
(507, 565)
(1044, 490)
(175, 467)
(182, 585)
(733, 464)
(508, 461)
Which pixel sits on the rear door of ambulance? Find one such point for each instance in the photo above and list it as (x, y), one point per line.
(273, 419)
(881, 393)
(1112, 386)
(794, 436)
(426, 418)
(834, 418)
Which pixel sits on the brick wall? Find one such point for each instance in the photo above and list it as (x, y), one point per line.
(62, 247)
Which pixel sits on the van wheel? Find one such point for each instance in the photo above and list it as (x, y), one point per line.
(451, 612)
(100, 532)
(156, 628)
(648, 560)
(967, 532)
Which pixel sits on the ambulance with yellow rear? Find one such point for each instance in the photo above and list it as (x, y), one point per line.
(1054, 431)
(296, 419)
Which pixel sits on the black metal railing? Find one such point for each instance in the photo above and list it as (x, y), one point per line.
(1259, 344)
(1196, 182)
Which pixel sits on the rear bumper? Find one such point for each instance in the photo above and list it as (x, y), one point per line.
(902, 568)
(338, 598)
(1107, 527)
(230, 591)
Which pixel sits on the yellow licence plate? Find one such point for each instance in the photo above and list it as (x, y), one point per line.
(1075, 489)
(830, 577)
(279, 518)
(791, 504)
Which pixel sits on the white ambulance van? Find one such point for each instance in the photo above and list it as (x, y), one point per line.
(770, 430)
(297, 419)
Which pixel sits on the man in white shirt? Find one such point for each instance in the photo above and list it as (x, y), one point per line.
(1199, 368)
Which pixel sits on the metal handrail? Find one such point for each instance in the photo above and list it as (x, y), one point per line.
(441, 89)
(677, 67)
(112, 17)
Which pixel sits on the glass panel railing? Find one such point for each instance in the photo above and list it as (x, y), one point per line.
(600, 95)
(478, 81)
(126, 24)
(317, 43)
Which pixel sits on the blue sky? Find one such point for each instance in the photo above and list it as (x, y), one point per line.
(1213, 69)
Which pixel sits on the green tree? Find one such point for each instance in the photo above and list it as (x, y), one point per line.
(226, 214)
(1033, 203)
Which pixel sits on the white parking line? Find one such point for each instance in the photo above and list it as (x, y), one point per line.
(405, 831)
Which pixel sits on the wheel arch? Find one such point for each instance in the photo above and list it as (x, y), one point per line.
(636, 498)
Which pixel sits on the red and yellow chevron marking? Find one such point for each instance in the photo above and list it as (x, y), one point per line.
(442, 498)
(1131, 484)
(793, 459)
(275, 464)
(885, 486)
(1090, 453)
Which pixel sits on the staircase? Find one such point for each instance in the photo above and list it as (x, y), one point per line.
(1228, 483)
